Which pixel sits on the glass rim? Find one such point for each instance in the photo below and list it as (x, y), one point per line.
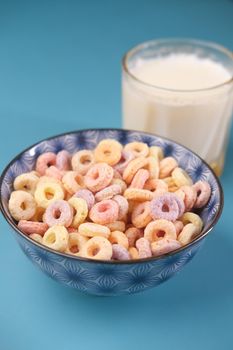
(146, 44)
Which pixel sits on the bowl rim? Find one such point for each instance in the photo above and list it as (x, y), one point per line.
(201, 236)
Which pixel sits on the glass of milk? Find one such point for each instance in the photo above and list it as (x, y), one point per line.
(181, 89)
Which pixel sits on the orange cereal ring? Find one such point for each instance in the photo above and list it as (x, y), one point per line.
(153, 167)
(167, 165)
(97, 248)
(73, 181)
(29, 227)
(108, 151)
(108, 192)
(119, 237)
(139, 195)
(133, 252)
(157, 229)
(172, 186)
(179, 226)
(164, 246)
(133, 167)
(116, 226)
(133, 234)
(44, 161)
(140, 178)
(141, 215)
(22, 205)
(139, 149)
(75, 243)
(156, 185)
(98, 177)
(82, 161)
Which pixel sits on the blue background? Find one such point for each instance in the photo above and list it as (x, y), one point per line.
(59, 71)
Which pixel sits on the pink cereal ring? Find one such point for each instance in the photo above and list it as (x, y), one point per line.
(44, 161)
(190, 196)
(164, 246)
(98, 177)
(87, 196)
(104, 212)
(179, 226)
(63, 160)
(119, 252)
(143, 247)
(117, 175)
(165, 207)
(108, 192)
(123, 206)
(126, 157)
(156, 185)
(140, 178)
(58, 212)
(54, 172)
(133, 234)
(158, 229)
(203, 191)
(30, 227)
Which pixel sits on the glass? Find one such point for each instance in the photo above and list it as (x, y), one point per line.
(199, 118)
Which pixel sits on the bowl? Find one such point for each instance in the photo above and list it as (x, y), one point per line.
(111, 277)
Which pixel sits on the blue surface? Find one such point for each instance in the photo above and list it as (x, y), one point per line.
(60, 70)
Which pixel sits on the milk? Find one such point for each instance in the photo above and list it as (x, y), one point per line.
(168, 97)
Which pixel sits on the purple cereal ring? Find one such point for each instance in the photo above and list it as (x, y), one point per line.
(165, 207)
(123, 206)
(203, 190)
(143, 247)
(87, 196)
(180, 204)
(98, 177)
(63, 160)
(59, 212)
(119, 252)
(108, 192)
(44, 161)
(126, 157)
(104, 212)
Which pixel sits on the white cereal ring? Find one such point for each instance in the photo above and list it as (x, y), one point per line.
(22, 205)
(82, 161)
(36, 237)
(156, 152)
(119, 237)
(139, 149)
(194, 219)
(97, 248)
(26, 182)
(75, 243)
(157, 229)
(72, 181)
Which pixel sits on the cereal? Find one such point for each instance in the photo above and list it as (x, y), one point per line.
(26, 182)
(22, 205)
(44, 161)
(30, 227)
(59, 212)
(108, 151)
(143, 247)
(164, 246)
(97, 248)
(108, 192)
(112, 202)
(81, 210)
(139, 149)
(160, 228)
(82, 161)
(47, 192)
(90, 229)
(119, 252)
(56, 237)
(203, 191)
(119, 238)
(141, 215)
(104, 212)
(98, 177)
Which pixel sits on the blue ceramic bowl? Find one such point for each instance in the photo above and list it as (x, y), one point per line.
(110, 277)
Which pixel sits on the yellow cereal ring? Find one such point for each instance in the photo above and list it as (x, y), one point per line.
(172, 186)
(72, 181)
(154, 229)
(119, 237)
(194, 219)
(38, 216)
(181, 178)
(82, 161)
(116, 226)
(22, 205)
(156, 152)
(56, 237)
(153, 167)
(36, 237)
(75, 243)
(138, 194)
(81, 208)
(97, 248)
(133, 253)
(90, 229)
(189, 232)
(139, 149)
(108, 151)
(49, 179)
(167, 165)
(133, 167)
(26, 182)
(46, 192)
